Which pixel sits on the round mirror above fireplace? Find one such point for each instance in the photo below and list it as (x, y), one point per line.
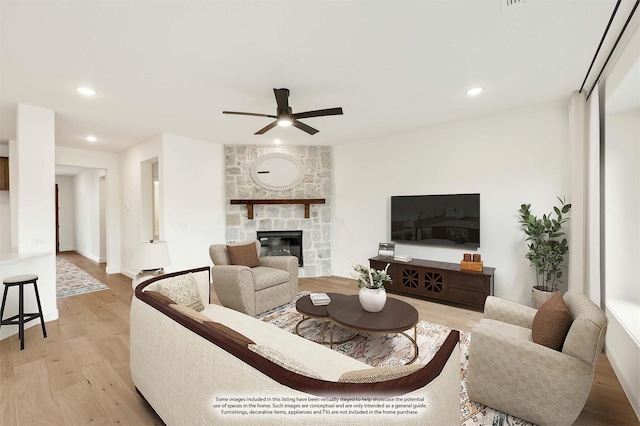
(277, 171)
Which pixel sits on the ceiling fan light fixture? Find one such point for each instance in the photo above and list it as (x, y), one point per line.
(285, 117)
(285, 122)
(91, 139)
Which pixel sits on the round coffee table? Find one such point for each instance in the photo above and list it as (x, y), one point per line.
(305, 306)
(396, 317)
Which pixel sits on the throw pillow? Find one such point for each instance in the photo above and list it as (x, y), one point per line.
(160, 297)
(551, 323)
(194, 315)
(183, 289)
(379, 374)
(245, 255)
(240, 338)
(282, 360)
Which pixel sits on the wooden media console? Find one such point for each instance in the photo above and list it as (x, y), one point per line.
(441, 281)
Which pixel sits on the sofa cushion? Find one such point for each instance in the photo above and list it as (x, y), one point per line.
(325, 362)
(183, 289)
(283, 360)
(264, 277)
(194, 315)
(551, 323)
(232, 334)
(160, 297)
(379, 374)
(246, 255)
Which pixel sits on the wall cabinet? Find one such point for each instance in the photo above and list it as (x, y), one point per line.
(4, 173)
(440, 281)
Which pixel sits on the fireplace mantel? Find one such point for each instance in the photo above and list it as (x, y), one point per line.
(305, 201)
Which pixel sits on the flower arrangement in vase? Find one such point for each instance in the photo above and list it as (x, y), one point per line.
(371, 281)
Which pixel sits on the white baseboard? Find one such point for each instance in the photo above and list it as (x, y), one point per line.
(89, 256)
(129, 273)
(623, 353)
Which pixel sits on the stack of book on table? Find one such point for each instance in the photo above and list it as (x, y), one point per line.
(320, 299)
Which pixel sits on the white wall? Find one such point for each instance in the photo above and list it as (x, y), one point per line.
(33, 205)
(5, 210)
(515, 157)
(192, 199)
(109, 162)
(131, 162)
(87, 213)
(36, 179)
(66, 212)
(102, 184)
(192, 203)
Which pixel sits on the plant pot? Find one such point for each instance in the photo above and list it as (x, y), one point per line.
(539, 295)
(372, 300)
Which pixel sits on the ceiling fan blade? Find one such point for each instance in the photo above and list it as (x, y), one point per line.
(267, 128)
(249, 113)
(282, 99)
(300, 125)
(318, 113)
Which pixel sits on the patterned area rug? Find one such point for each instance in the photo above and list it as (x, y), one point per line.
(395, 349)
(71, 280)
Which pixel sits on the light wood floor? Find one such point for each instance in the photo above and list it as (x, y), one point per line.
(79, 374)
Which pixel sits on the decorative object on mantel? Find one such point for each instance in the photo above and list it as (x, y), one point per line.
(547, 248)
(469, 263)
(371, 281)
(277, 171)
(149, 257)
(306, 201)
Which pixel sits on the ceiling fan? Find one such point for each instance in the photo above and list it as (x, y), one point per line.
(285, 117)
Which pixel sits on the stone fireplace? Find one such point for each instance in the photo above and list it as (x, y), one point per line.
(315, 184)
(281, 243)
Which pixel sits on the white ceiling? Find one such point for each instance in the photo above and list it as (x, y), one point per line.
(393, 66)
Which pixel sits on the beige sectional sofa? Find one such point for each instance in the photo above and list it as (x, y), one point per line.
(187, 369)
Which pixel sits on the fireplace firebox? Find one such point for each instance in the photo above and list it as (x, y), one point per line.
(281, 243)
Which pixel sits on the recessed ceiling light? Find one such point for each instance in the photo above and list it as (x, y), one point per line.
(475, 91)
(86, 91)
(91, 139)
(277, 141)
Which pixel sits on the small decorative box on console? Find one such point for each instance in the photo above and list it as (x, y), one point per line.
(475, 265)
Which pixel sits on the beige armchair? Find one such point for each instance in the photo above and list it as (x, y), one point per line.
(253, 290)
(511, 373)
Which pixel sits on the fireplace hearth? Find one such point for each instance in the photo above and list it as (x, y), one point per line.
(281, 243)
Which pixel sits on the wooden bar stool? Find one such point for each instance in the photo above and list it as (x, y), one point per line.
(22, 317)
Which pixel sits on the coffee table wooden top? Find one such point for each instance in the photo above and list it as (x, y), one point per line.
(305, 306)
(396, 316)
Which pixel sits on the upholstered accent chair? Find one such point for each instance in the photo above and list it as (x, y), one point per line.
(267, 283)
(511, 373)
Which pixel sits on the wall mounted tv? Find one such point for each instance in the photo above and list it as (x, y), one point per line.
(440, 220)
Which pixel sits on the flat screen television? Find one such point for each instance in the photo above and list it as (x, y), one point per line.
(441, 220)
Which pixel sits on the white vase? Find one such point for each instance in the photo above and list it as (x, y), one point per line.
(539, 296)
(372, 300)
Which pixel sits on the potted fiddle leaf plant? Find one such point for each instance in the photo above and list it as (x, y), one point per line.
(373, 295)
(547, 245)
